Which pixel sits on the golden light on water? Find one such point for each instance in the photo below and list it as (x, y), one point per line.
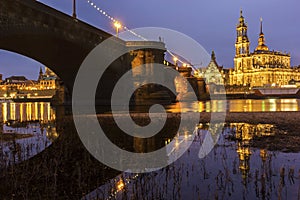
(120, 185)
(27, 111)
(238, 105)
(13, 111)
(21, 113)
(36, 116)
(42, 111)
(4, 108)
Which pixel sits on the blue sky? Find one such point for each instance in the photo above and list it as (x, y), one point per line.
(211, 23)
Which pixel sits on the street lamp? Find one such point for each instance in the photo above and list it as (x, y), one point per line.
(74, 9)
(117, 26)
(175, 60)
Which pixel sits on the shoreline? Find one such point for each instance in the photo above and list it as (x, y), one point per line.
(285, 118)
(285, 122)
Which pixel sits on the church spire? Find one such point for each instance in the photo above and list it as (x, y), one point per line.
(40, 74)
(261, 40)
(242, 19)
(213, 55)
(261, 26)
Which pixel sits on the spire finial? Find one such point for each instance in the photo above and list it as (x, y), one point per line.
(213, 55)
(241, 12)
(261, 25)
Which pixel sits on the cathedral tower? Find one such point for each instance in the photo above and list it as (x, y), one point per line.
(261, 67)
(261, 40)
(40, 74)
(242, 42)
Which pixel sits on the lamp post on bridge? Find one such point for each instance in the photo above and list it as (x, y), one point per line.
(117, 26)
(175, 59)
(74, 9)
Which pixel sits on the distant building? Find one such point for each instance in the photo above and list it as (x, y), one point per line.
(47, 80)
(261, 67)
(16, 80)
(47, 87)
(214, 74)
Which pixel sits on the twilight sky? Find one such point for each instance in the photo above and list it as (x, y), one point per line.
(211, 23)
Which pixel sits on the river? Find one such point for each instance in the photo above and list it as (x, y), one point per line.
(234, 169)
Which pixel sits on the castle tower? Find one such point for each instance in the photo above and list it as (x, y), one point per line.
(242, 42)
(40, 74)
(261, 40)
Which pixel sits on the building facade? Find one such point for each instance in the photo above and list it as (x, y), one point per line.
(47, 80)
(262, 66)
(214, 74)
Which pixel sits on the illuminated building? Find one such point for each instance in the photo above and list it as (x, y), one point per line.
(48, 80)
(214, 74)
(14, 83)
(261, 67)
(48, 86)
(16, 80)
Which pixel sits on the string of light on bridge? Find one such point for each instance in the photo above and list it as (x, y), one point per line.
(119, 25)
(116, 22)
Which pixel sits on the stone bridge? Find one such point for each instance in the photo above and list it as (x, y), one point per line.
(57, 40)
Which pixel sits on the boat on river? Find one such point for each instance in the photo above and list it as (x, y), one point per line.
(287, 91)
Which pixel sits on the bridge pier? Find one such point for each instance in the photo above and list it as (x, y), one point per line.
(148, 94)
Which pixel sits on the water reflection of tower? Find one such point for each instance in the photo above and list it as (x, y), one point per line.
(145, 145)
(244, 153)
(244, 132)
(263, 155)
(244, 135)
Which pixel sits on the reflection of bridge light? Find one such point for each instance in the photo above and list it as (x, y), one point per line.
(200, 107)
(207, 106)
(120, 185)
(214, 106)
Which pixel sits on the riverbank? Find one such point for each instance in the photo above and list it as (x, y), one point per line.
(287, 133)
(6, 137)
(285, 119)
